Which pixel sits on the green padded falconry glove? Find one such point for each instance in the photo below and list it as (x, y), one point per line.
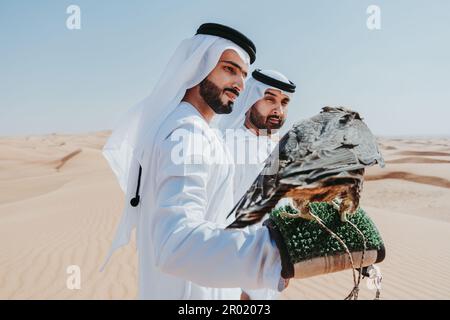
(308, 247)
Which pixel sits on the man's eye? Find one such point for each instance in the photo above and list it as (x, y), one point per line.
(230, 69)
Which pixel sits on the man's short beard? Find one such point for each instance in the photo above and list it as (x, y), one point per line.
(262, 123)
(211, 94)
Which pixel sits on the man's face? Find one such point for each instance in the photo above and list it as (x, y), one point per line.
(269, 112)
(225, 82)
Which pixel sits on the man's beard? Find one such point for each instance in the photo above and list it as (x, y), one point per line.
(262, 123)
(211, 94)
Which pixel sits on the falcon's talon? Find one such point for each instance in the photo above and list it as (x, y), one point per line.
(303, 212)
(285, 214)
(335, 205)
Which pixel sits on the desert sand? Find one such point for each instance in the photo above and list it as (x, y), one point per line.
(60, 204)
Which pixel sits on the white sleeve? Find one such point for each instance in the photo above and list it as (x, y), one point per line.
(265, 293)
(187, 246)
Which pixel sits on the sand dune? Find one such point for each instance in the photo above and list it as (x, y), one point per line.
(61, 162)
(434, 181)
(417, 160)
(64, 214)
(60, 204)
(423, 153)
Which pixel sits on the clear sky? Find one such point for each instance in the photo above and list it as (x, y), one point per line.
(53, 79)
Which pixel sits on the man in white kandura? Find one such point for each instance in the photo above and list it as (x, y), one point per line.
(251, 133)
(177, 175)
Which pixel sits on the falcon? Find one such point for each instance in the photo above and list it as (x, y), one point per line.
(320, 159)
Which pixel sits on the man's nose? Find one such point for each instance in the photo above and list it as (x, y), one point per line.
(239, 84)
(277, 110)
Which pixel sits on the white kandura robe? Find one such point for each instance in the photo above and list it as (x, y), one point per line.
(184, 250)
(250, 152)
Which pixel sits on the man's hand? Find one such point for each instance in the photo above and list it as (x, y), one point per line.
(287, 267)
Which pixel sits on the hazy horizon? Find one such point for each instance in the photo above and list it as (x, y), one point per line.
(92, 132)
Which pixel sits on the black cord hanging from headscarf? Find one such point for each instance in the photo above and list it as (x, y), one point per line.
(135, 201)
